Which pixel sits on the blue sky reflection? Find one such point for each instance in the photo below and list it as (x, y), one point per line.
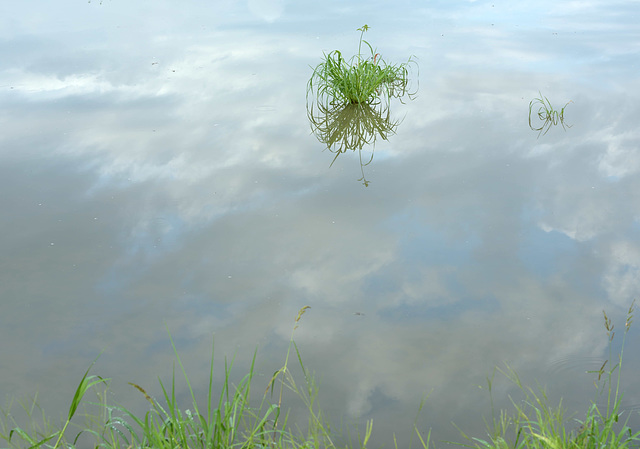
(158, 171)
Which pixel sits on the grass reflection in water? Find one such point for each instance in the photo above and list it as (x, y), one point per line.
(351, 127)
(547, 116)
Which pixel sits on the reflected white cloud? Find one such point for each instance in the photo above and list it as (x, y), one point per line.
(622, 278)
(178, 180)
(267, 10)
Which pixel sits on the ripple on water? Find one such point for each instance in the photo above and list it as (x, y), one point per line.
(582, 364)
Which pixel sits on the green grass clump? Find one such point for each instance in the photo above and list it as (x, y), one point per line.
(348, 100)
(546, 114)
(364, 78)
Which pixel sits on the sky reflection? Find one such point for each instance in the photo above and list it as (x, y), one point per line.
(158, 168)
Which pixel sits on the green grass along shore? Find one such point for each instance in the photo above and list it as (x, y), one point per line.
(233, 423)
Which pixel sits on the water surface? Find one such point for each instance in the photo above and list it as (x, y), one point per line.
(158, 173)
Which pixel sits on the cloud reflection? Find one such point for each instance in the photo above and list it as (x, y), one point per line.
(189, 192)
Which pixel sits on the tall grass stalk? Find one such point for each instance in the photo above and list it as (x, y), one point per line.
(318, 429)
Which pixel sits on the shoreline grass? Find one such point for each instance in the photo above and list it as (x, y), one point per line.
(231, 420)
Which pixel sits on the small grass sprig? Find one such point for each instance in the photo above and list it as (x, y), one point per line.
(546, 114)
(318, 430)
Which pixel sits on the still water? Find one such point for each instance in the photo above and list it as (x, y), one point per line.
(158, 173)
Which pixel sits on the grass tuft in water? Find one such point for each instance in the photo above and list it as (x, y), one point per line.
(546, 115)
(364, 78)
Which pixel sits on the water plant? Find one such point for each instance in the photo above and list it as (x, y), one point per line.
(546, 114)
(364, 78)
(348, 99)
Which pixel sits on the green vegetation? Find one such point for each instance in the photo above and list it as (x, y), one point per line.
(237, 422)
(362, 79)
(36, 435)
(348, 100)
(546, 114)
(538, 424)
(351, 127)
